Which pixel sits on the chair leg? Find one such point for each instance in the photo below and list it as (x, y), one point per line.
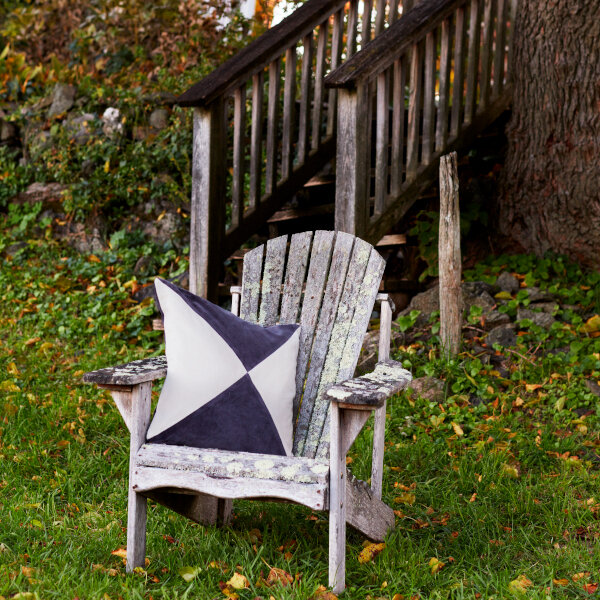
(136, 531)
(337, 505)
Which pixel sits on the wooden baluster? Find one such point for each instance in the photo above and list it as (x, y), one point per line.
(366, 23)
(336, 58)
(351, 200)
(441, 133)
(256, 158)
(415, 102)
(289, 108)
(486, 53)
(272, 125)
(305, 91)
(393, 12)
(209, 170)
(459, 64)
(472, 60)
(499, 49)
(511, 31)
(398, 103)
(239, 166)
(429, 97)
(380, 17)
(317, 112)
(352, 27)
(407, 5)
(382, 143)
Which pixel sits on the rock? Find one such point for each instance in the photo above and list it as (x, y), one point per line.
(12, 249)
(541, 319)
(495, 318)
(159, 118)
(78, 237)
(88, 166)
(427, 301)
(508, 283)
(547, 307)
(79, 128)
(62, 99)
(49, 194)
(8, 132)
(593, 387)
(113, 122)
(142, 264)
(537, 295)
(484, 300)
(429, 388)
(37, 142)
(473, 289)
(165, 229)
(503, 335)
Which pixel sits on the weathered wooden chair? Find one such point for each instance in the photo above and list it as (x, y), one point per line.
(327, 282)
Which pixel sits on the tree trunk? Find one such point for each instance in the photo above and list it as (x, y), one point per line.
(551, 188)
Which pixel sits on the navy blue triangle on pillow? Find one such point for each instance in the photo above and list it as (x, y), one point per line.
(230, 384)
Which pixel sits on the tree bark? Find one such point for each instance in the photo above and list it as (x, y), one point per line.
(550, 196)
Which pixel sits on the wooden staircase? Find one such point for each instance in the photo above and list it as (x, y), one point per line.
(376, 89)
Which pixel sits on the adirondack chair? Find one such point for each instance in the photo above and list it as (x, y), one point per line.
(328, 282)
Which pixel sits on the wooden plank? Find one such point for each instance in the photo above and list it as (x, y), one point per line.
(351, 202)
(207, 207)
(253, 263)
(354, 420)
(393, 239)
(459, 69)
(380, 16)
(441, 133)
(318, 270)
(414, 112)
(399, 109)
(393, 43)
(260, 53)
(393, 12)
(429, 97)
(239, 163)
(499, 51)
(381, 143)
(337, 506)
(256, 141)
(472, 60)
(511, 34)
(272, 125)
(137, 371)
(317, 109)
(449, 258)
(272, 278)
(136, 504)
(294, 277)
(366, 23)
(289, 113)
(337, 36)
(313, 410)
(352, 28)
(486, 53)
(305, 95)
(151, 478)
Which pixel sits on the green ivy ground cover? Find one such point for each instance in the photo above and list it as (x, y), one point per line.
(495, 488)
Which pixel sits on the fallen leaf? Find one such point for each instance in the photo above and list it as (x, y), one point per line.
(581, 575)
(11, 368)
(560, 582)
(531, 387)
(370, 552)
(406, 498)
(473, 497)
(28, 571)
(322, 593)
(279, 576)
(238, 582)
(436, 565)
(591, 325)
(590, 588)
(519, 585)
(188, 573)
(510, 471)
(458, 430)
(9, 386)
(121, 552)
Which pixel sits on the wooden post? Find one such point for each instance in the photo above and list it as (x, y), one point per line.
(208, 205)
(449, 257)
(351, 195)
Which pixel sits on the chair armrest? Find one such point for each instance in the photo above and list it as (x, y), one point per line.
(138, 371)
(370, 391)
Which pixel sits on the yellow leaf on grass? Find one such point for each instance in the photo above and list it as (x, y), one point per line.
(579, 576)
(120, 552)
(28, 571)
(279, 576)
(12, 369)
(9, 386)
(458, 430)
(560, 581)
(531, 387)
(406, 498)
(322, 593)
(510, 471)
(591, 325)
(188, 573)
(435, 565)
(370, 552)
(238, 582)
(519, 585)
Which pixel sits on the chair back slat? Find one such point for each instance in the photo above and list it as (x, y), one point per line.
(312, 413)
(253, 263)
(271, 284)
(295, 274)
(328, 284)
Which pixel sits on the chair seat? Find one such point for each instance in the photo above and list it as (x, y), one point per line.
(225, 464)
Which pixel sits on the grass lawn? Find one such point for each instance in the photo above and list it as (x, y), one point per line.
(495, 489)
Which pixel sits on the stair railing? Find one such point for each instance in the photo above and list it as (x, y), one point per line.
(439, 75)
(264, 124)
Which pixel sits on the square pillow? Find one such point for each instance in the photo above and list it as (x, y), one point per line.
(230, 384)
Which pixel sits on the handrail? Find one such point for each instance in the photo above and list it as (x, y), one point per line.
(381, 52)
(260, 53)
